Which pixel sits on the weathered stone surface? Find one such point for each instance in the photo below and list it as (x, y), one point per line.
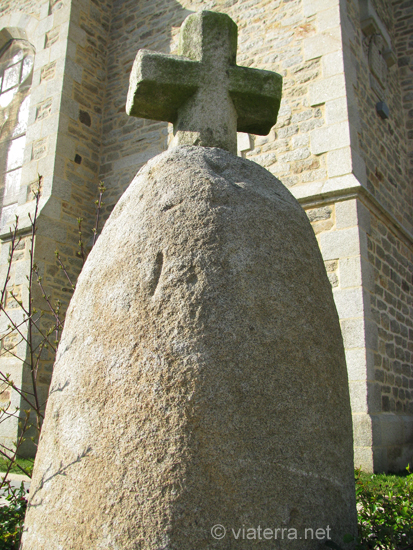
(201, 378)
(204, 93)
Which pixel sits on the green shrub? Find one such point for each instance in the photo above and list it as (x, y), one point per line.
(12, 517)
(385, 511)
(384, 508)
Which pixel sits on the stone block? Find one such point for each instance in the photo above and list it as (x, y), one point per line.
(350, 274)
(71, 49)
(62, 188)
(21, 273)
(57, 50)
(327, 89)
(45, 25)
(362, 430)
(310, 189)
(53, 208)
(45, 251)
(300, 141)
(54, 87)
(339, 162)
(336, 110)
(358, 396)
(374, 397)
(47, 182)
(47, 72)
(364, 217)
(349, 302)
(26, 156)
(15, 19)
(243, 142)
(31, 30)
(348, 30)
(332, 64)
(39, 149)
(60, 71)
(408, 429)
(356, 364)
(367, 270)
(24, 21)
(44, 10)
(320, 214)
(52, 229)
(46, 166)
(380, 458)
(4, 24)
(29, 172)
(134, 160)
(346, 214)
(281, 169)
(340, 183)
(62, 16)
(312, 7)
(392, 428)
(328, 138)
(41, 59)
(328, 19)
(371, 334)
(74, 70)
(353, 333)
(323, 43)
(50, 125)
(66, 147)
(77, 35)
(37, 89)
(298, 154)
(37, 93)
(359, 166)
(363, 243)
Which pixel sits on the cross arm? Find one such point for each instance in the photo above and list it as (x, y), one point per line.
(160, 84)
(256, 95)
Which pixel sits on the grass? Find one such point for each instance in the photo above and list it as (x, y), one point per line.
(25, 463)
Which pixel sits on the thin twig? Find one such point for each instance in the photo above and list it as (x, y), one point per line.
(15, 326)
(32, 320)
(12, 249)
(32, 374)
(13, 460)
(81, 252)
(98, 203)
(61, 265)
(45, 296)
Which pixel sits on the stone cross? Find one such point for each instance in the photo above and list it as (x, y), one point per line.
(202, 91)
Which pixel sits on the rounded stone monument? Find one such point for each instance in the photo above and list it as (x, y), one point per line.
(199, 398)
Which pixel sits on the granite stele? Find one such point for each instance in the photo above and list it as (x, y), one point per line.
(199, 398)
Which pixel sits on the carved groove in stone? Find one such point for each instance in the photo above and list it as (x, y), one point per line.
(157, 270)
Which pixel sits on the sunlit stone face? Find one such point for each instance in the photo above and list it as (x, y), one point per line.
(16, 68)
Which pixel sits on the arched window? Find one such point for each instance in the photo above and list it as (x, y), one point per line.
(16, 69)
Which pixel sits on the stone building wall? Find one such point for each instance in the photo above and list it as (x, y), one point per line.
(391, 256)
(62, 145)
(381, 142)
(388, 196)
(348, 167)
(403, 42)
